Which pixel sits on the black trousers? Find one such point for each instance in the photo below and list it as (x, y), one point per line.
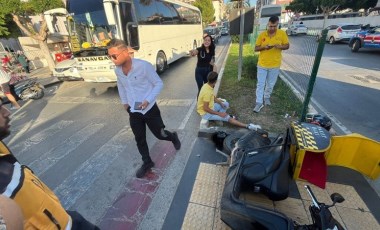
(80, 223)
(154, 122)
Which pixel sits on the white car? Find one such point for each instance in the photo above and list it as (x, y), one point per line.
(67, 71)
(296, 29)
(340, 32)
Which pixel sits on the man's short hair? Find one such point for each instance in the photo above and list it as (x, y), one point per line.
(212, 77)
(274, 19)
(119, 44)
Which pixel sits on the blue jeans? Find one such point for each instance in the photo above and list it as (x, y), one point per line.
(266, 79)
(201, 76)
(218, 108)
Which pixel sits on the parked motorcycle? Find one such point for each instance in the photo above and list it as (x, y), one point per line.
(26, 88)
(260, 164)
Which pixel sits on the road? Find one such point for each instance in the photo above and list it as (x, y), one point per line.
(347, 87)
(77, 139)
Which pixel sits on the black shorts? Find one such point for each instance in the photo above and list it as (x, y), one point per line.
(5, 88)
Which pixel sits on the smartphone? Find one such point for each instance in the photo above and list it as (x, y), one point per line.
(137, 106)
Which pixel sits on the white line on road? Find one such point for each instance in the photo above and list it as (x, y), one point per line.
(48, 159)
(188, 114)
(71, 189)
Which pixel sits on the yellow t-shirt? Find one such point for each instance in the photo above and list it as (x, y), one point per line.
(205, 95)
(271, 58)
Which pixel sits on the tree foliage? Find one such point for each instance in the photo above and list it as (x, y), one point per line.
(20, 12)
(207, 10)
(326, 6)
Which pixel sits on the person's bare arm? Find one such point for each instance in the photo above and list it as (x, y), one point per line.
(260, 48)
(282, 47)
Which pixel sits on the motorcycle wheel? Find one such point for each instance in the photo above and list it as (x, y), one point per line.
(230, 140)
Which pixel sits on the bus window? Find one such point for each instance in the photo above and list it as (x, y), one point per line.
(147, 12)
(165, 15)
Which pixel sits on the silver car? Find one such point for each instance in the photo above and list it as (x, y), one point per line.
(296, 29)
(340, 32)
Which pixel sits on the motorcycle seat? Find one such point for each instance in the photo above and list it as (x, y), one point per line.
(259, 165)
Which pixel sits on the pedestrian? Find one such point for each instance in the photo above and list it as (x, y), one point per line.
(212, 108)
(139, 85)
(23, 60)
(4, 84)
(39, 205)
(270, 43)
(205, 62)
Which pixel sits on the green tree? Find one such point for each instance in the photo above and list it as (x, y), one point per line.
(20, 12)
(207, 10)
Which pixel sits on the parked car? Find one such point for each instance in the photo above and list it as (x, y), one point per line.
(214, 32)
(365, 39)
(340, 32)
(67, 71)
(224, 31)
(296, 29)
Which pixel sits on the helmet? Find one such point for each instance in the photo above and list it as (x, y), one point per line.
(320, 120)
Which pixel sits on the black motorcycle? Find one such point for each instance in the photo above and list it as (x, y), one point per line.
(260, 164)
(27, 88)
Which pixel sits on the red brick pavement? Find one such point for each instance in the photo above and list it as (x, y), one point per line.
(130, 207)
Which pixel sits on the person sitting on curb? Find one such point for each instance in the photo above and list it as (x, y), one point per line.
(4, 85)
(214, 109)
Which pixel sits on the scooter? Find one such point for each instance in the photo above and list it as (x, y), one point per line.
(27, 88)
(260, 164)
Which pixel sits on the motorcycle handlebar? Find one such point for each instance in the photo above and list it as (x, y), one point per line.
(313, 198)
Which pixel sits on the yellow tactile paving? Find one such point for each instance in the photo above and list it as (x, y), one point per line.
(293, 208)
(198, 217)
(356, 219)
(208, 173)
(204, 193)
(352, 198)
(321, 194)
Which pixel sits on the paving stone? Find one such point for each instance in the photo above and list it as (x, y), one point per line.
(198, 217)
(357, 219)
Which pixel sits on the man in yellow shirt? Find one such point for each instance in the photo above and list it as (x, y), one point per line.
(270, 43)
(214, 109)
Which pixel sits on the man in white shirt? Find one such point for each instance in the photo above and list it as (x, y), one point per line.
(139, 85)
(4, 83)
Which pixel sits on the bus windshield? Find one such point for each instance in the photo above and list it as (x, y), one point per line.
(88, 27)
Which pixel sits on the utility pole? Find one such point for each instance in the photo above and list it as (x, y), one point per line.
(240, 66)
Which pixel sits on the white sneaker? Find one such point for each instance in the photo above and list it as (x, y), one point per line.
(253, 127)
(267, 101)
(258, 107)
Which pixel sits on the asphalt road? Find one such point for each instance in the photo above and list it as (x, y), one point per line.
(347, 87)
(77, 139)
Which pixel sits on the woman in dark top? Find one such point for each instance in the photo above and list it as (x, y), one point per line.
(206, 59)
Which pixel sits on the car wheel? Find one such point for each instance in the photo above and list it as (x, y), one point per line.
(317, 38)
(332, 40)
(356, 46)
(161, 63)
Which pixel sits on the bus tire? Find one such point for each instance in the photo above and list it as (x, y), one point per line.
(356, 46)
(161, 62)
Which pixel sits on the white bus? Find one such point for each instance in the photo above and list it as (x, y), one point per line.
(162, 31)
(266, 12)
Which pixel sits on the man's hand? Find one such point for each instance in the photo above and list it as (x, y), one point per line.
(223, 114)
(144, 104)
(126, 107)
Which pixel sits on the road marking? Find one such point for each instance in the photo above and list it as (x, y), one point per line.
(41, 136)
(98, 100)
(48, 159)
(290, 82)
(26, 127)
(80, 181)
(188, 114)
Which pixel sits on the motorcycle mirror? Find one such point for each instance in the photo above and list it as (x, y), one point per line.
(336, 198)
